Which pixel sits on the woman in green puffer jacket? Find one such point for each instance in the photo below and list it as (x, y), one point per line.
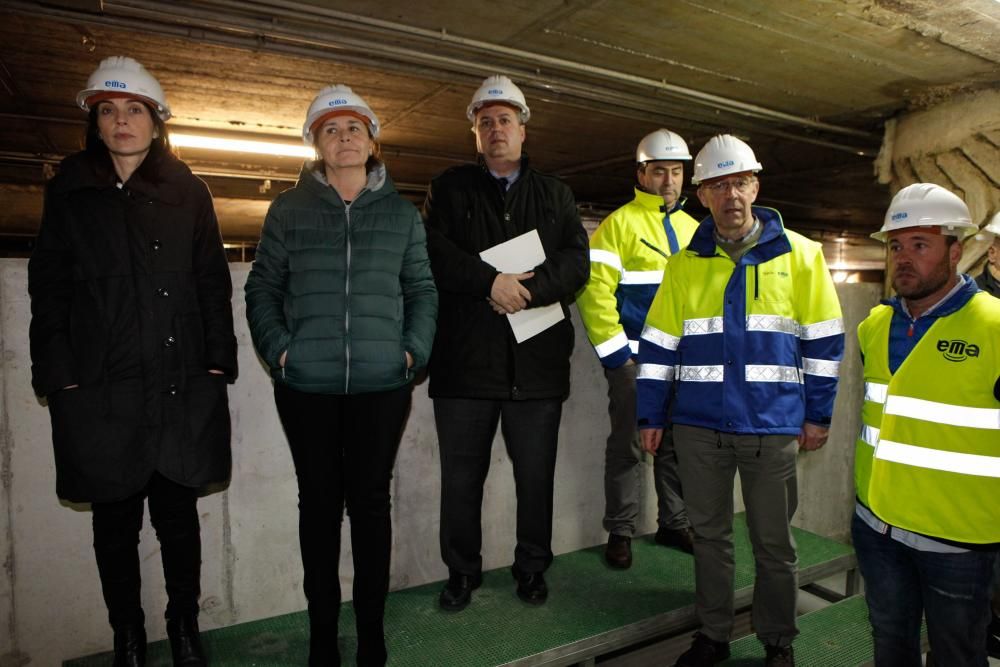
(342, 307)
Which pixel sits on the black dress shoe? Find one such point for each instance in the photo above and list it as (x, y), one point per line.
(531, 586)
(704, 652)
(457, 592)
(185, 641)
(618, 553)
(993, 637)
(681, 538)
(130, 646)
(779, 656)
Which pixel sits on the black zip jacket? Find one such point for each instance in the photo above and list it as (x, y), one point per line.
(475, 354)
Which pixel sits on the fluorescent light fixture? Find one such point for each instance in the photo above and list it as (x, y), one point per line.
(241, 145)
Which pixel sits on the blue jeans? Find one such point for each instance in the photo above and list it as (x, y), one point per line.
(901, 583)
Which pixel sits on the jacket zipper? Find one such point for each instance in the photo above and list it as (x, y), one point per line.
(347, 301)
(654, 248)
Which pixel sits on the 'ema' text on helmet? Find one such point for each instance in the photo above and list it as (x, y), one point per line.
(495, 91)
(899, 216)
(337, 102)
(115, 84)
(727, 163)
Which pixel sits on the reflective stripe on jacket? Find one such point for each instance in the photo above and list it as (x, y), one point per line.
(746, 347)
(627, 255)
(928, 455)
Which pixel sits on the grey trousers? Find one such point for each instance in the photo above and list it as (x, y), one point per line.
(623, 463)
(708, 462)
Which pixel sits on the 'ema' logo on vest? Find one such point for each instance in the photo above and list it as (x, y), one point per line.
(121, 85)
(957, 350)
(727, 163)
(337, 102)
(899, 216)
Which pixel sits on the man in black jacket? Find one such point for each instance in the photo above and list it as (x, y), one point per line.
(479, 374)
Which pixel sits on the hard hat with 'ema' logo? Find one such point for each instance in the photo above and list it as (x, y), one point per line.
(927, 205)
(336, 100)
(498, 89)
(724, 154)
(662, 145)
(121, 76)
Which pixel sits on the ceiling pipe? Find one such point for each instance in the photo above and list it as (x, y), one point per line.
(298, 10)
(265, 28)
(611, 104)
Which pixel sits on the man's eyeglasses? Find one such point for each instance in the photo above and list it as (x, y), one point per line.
(742, 185)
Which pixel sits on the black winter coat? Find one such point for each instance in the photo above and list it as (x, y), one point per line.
(131, 300)
(475, 354)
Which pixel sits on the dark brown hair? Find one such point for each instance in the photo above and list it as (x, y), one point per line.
(149, 170)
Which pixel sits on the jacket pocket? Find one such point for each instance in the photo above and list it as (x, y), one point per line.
(97, 440)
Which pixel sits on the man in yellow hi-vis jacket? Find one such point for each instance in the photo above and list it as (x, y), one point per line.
(627, 255)
(740, 353)
(927, 462)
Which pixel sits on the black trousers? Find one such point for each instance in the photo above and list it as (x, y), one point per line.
(344, 448)
(465, 430)
(173, 512)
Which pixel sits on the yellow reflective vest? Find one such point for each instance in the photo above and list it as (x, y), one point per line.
(928, 456)
(627, 255)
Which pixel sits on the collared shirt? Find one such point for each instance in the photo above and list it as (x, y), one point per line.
(507, 180)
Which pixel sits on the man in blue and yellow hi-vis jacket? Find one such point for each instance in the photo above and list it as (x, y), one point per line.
(740, 354)
(627, 255)
(926, 526)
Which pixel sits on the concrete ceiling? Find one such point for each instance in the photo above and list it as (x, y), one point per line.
(809, 83)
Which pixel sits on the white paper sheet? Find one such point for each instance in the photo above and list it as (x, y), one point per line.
(518, 255)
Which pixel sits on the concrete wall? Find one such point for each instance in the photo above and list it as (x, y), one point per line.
(50, 600)
(953, 144)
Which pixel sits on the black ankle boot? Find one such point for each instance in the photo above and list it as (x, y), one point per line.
(130, 646)
(185, 641)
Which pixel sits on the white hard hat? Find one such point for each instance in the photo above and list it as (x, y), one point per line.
(123, 76)
(332, 100)
(498, 88)
(723, 154)
(662, 145)
(994, 225)
(927, 205)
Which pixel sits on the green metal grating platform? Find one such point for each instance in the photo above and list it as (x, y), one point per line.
(592, 610)
(835, 636)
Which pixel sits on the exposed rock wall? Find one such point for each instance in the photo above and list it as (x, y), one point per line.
(955, 144)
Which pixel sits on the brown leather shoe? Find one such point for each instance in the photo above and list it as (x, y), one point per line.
(681, 538)
(618, 553)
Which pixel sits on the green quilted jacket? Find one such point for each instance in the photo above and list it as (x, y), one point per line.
(346, 290)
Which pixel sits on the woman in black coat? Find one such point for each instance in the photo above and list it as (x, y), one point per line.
(132, 346)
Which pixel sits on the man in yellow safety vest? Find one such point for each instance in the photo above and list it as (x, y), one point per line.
(927, 462)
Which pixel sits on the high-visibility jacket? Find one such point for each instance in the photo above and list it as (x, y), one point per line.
(752, 346)
(627, 255)
(928, 456)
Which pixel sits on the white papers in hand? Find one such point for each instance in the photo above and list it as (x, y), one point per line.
(519, 255)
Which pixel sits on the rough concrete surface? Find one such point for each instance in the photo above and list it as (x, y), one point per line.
(251, 560)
